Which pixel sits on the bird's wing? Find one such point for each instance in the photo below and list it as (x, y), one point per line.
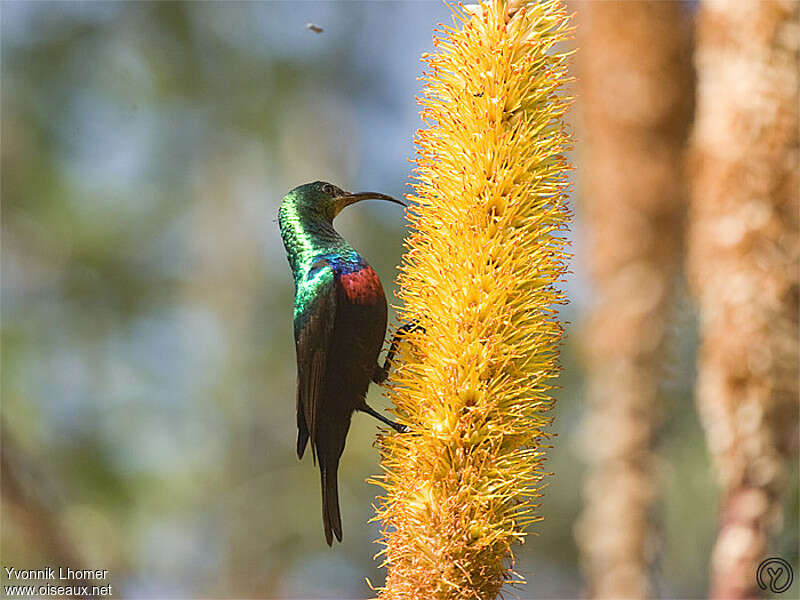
(313, 332)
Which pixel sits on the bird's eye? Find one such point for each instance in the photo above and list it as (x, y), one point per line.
(329, 189)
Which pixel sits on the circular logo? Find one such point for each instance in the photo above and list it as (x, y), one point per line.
(774, 574)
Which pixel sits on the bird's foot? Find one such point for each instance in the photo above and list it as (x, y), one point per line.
(396, 426)
(382, 372)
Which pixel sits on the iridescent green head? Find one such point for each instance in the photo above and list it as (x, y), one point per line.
(324, 200)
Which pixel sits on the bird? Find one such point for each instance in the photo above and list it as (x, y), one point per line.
(339, 328)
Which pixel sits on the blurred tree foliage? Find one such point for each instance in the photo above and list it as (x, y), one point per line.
(147, 355)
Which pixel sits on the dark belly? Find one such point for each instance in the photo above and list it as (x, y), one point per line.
(357, 341)
(351, 361)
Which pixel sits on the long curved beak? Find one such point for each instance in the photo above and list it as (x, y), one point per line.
(353, 198)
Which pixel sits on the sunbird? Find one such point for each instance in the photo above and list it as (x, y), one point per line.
(339, 329)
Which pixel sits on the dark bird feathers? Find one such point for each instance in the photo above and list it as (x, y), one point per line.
(339, 326)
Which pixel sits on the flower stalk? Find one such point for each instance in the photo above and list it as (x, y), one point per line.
(488, 250)
(743, 253)
(635, 83)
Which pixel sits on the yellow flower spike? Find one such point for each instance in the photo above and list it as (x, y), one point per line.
(480, 276)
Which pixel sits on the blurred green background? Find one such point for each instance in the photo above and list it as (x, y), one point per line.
(147, 356)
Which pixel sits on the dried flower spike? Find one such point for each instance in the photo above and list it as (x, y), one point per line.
(743, 253)
(633, 201)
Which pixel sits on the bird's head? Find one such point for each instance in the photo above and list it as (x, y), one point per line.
(326, 200)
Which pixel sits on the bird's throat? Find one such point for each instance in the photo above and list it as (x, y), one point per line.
(308, 237)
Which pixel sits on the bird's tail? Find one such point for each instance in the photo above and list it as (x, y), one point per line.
(331, 518)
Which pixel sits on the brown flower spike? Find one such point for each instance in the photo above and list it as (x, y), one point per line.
(743, 254)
